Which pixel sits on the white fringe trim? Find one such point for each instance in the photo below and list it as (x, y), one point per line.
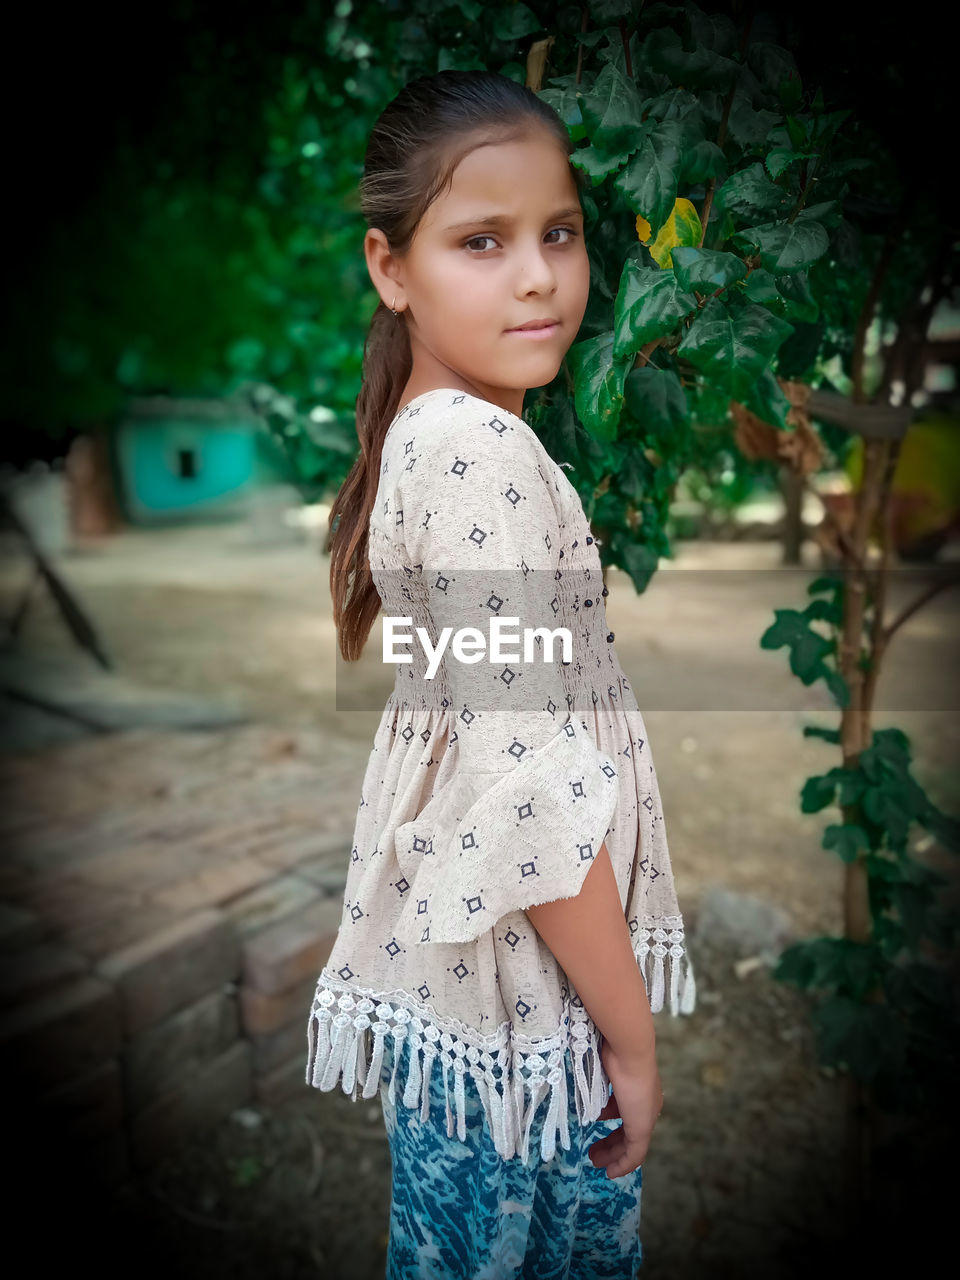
(348, 1046)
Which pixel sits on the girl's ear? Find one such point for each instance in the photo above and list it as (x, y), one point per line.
(384, 268)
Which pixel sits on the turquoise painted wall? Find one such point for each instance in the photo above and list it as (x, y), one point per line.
(171, 467)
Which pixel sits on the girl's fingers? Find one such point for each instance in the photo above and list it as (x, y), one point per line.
(625, 1162)
(606, 1149)
(615, 1155)
(610, 1109)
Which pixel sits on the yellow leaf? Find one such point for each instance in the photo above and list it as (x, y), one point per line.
(681, 228)
(643, 229)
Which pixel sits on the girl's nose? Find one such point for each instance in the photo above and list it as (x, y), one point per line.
(536, 272)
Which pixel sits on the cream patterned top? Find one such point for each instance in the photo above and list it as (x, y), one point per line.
(490, 787)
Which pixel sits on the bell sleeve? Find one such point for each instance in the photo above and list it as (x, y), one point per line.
(532, 797)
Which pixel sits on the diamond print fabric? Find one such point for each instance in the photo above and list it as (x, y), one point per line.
(491, 787)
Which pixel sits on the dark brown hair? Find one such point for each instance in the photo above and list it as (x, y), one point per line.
(413, 149)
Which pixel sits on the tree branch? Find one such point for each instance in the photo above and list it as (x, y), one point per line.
(584, 19)
(949, 580)
(645, 352)
(843, 542)
(878, 637)
(626, 47)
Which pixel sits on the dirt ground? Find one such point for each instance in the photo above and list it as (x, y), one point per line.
(743, 1173)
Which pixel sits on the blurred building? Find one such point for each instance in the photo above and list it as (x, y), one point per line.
(179, 459)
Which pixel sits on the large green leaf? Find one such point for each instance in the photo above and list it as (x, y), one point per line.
(613, 112)
(762, 287)
(706, 269)
(514, 21)
(779, 159)
(799, 302)
(766, 398)
(682, 107)
(702, 67)
(650, 180)
(829, 964)
(807, 651)
(733, 345)
(787, 146)
(567, 106)
(639, 560)
(820, 790)
(597, 165)
(701, 161)
(771, 64)
(826, 213)
(749, 192)
(747, 127)
(607, 11)
(598, 377)
(796, 357)
(632, 469)
(784, 246)
(655, 398)
(787, 295)
(845, 839)
(715, 31)
(649, 304)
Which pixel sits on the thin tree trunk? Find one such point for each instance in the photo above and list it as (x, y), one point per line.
(792, 487)
(872, 511)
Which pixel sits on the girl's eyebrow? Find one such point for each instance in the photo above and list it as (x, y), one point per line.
(495, 219)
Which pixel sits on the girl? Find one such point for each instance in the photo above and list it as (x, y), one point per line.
(509, 903)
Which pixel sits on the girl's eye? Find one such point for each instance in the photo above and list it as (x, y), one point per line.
(473, 239)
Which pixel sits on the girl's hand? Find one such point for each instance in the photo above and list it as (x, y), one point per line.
(637, 1098)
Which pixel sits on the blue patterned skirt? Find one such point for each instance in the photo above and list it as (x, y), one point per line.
(459, 1211)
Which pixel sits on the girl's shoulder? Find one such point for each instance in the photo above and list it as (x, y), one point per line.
(445, 417)
(447, 447)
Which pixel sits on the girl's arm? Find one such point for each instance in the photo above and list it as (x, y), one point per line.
(590, 939)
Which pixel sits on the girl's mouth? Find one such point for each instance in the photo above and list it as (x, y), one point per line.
(546, 331)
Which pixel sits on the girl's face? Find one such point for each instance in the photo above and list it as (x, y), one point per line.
(502, 247)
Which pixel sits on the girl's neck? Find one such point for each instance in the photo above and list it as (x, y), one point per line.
(511, 401)
(429, 373)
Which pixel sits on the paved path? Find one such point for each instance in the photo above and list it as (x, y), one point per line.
(224, 772)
